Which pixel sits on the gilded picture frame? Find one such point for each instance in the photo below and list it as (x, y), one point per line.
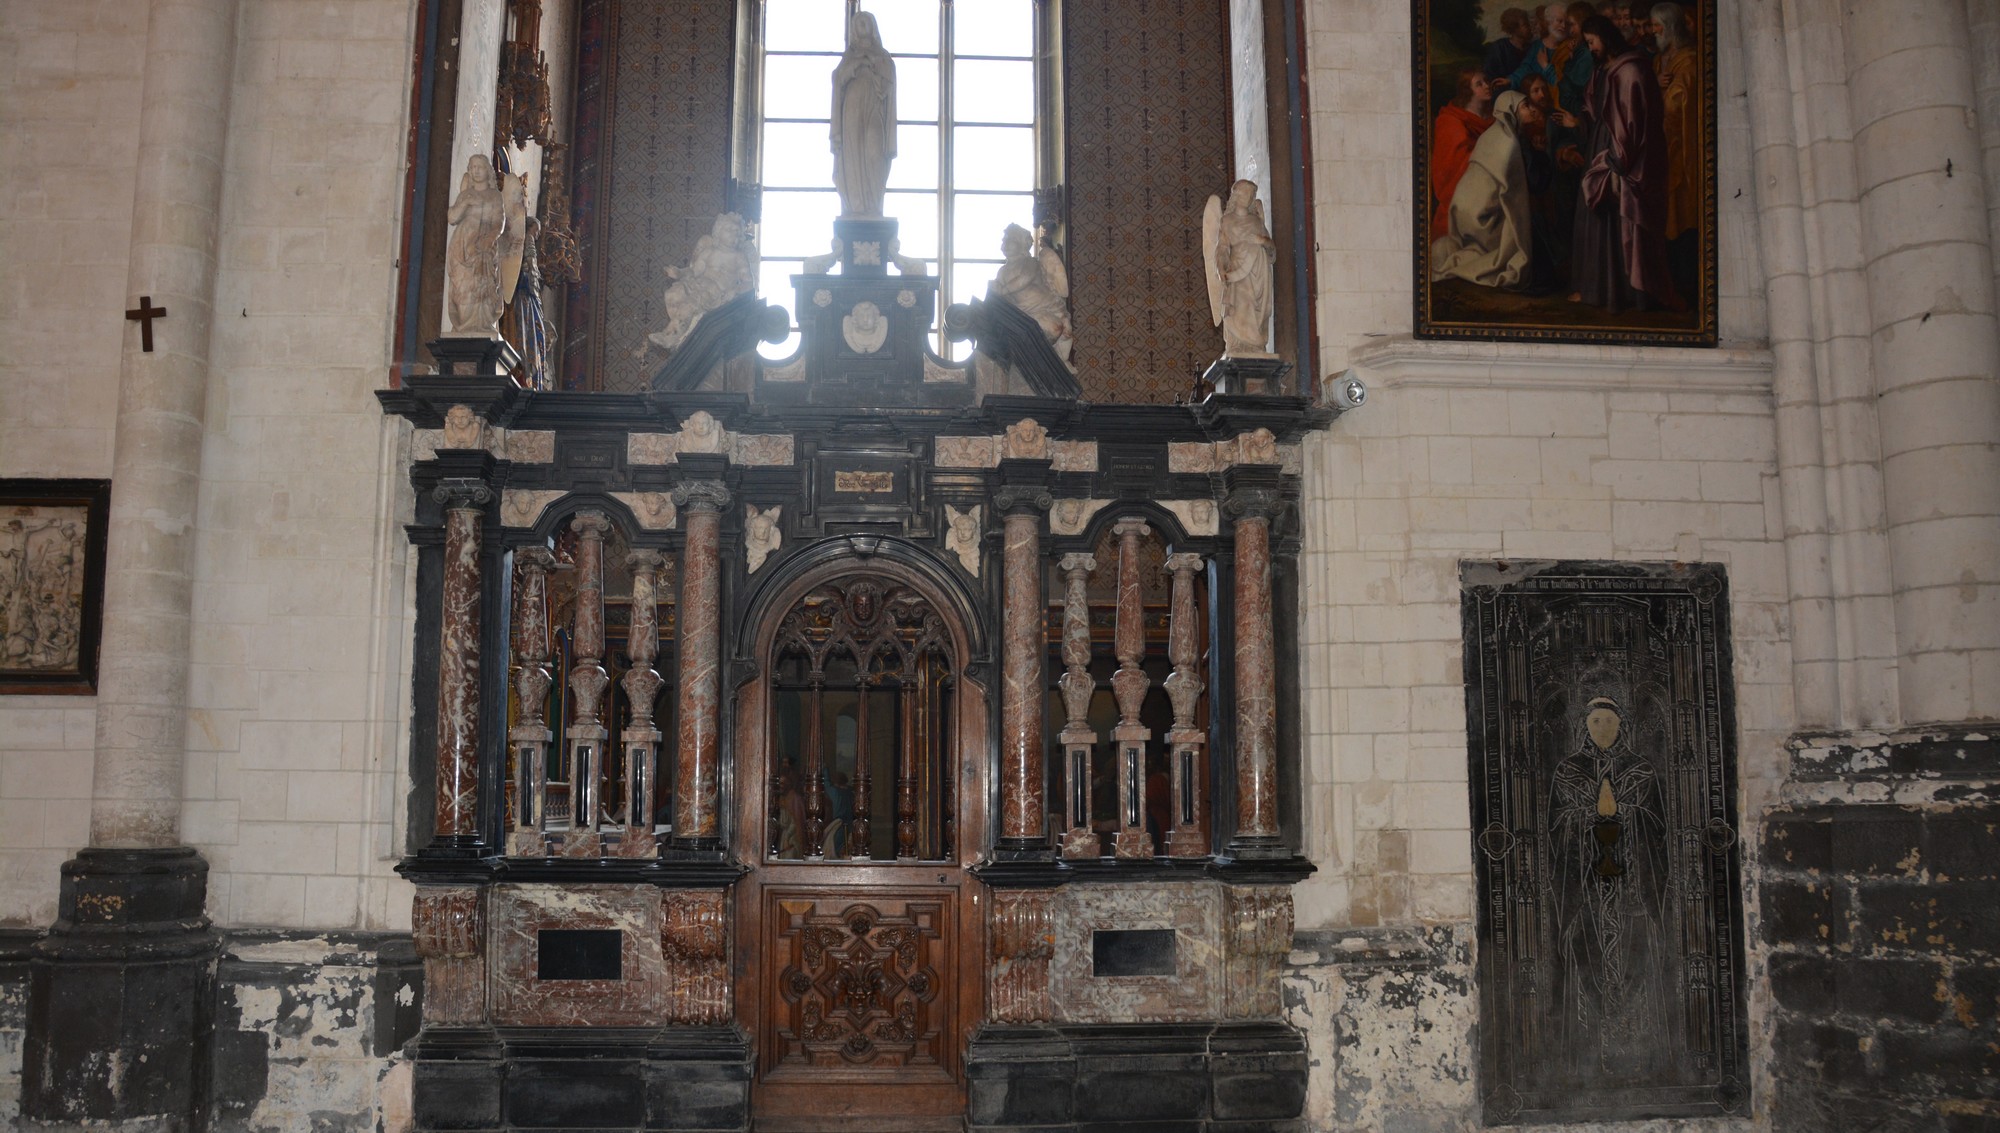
(1582, 207)
(52, 536)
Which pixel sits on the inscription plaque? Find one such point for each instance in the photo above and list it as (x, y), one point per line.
(1601, 735)
(579, 954)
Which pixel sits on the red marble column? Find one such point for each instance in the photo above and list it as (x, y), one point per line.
(1256, 670)
(1078, 737)
(697, 763)
(458, 661)
(1184, 688)
(587, 679)
(530, 737)
(1129, 686)
(642, 684)
(1023, 782)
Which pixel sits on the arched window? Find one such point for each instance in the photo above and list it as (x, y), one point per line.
(967, 111)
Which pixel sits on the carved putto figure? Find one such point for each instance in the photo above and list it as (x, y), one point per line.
(478, 216)
(760, 534)
(701, 432)
(1239, 256)
(463, 429)
(961, 536)
(1034, 280)
(864, 328)
(724, 265)
(864, 119)
(1025, 440)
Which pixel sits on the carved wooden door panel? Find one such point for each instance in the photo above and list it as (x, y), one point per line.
(858, 943)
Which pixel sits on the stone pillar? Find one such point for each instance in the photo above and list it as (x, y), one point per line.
(457, 788)
(1936, 348)
(1128, 686)
(530, 737)
(1184, 688)
(587, 679)
(1023, 782)
(696, 769)
(1078, 737)
(642, 684)
(131, 947)
(1256, 675)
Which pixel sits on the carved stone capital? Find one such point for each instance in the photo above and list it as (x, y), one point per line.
(462, 495)
(1183, 562)
(1077, 562)
(1254, 503)
(1135, 528)
(1015, 499)
(644, 559)
(588, 523)
(536, 559)
(701, 495)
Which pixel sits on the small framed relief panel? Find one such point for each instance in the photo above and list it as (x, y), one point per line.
(1601, 727)
(51, 584)
(1565, 170)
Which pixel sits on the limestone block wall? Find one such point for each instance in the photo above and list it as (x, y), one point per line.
(69, 82)
(298, 685)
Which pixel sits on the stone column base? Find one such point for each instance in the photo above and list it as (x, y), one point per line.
(120, 994)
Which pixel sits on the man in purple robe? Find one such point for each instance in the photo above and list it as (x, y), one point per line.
(1618, 259)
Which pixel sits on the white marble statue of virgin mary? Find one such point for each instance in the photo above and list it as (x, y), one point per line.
(864, 119)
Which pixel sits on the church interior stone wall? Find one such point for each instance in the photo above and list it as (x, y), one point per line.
(297, 775)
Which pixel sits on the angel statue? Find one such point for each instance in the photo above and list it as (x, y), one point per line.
(1034, 280)
(724, 265)
(863, 131)
(478, 216)
(1237, 250)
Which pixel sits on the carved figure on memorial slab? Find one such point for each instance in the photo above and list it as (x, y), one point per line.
(760, 534)
(1025, 440)
(724, 265)
(863, 131)
(463, 429)
(478, 216)
(1609, 850)
(1033, 279)
(961, 536)
(701, 432)
(1239, 256)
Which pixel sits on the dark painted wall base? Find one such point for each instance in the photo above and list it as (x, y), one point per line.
(486, 1080)
(127, 970)
(1137, 1078)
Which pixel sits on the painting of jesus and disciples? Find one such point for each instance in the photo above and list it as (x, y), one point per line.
(1565, 171)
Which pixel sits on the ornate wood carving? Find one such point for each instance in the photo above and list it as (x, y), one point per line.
(1258, 919)
(1022, 928)
(860, 984)
(1600, 721)
(694, 938)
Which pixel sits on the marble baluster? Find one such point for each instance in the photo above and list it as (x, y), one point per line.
(1023, 781)
(1129, 685)
(697, 768)
(860, 827)
(1078, 737)
(1256, 675)
(642, 684)
(906, 771)
(815, 832)
(458, 661)
(588, 680)
(531, 737)
(1184, 689)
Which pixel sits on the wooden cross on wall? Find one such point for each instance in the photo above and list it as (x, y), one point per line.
(144, 314)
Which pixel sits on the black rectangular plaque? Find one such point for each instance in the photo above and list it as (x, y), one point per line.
(579, 954)
(1601, 724)
(1132, 952)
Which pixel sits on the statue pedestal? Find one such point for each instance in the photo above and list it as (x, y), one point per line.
(866, 244)
(474, 355)
(1247, 375)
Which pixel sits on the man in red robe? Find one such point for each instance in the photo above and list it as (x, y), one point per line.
(1458, 127)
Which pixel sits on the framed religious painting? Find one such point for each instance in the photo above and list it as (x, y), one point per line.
(1565, 170)
(51, 584)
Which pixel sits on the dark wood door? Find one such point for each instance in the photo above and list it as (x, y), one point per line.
(858, 932)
